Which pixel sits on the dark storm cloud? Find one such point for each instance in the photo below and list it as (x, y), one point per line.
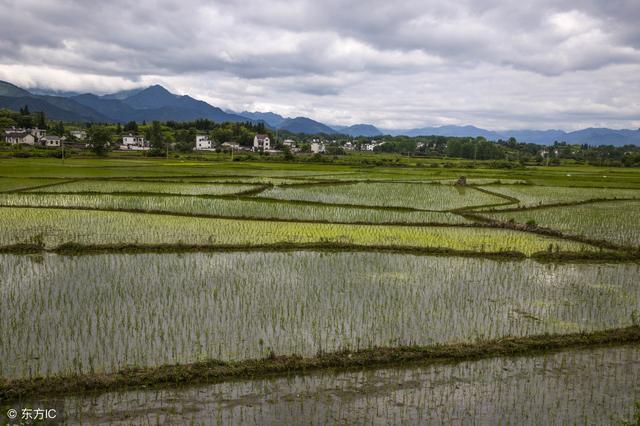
(357, 61)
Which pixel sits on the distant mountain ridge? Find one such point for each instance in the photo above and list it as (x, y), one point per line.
(355, 130)
(589, 136)
(305, 125)
(270, 118)
(152, 103)
(157, 103)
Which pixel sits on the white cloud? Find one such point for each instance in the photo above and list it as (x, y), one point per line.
(491, 63)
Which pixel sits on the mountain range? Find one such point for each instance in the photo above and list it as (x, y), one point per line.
(589, 136)
(157, 103)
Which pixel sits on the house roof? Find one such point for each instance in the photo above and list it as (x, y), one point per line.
(262, 137)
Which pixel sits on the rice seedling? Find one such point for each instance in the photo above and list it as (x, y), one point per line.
(226, 179)
(53, 227)
(420, 196)
(97, 186)
(71, 314)
(531, 196)
(576, 387)
(241, 208)
(616, 221)
(18, 184)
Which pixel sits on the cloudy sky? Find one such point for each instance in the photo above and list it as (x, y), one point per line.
(496, 64)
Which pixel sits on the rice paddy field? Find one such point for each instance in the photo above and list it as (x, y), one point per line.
(587, 387)
(51, 228)
(615, 222)
(532, 196)
(424, 196)
(229, 208)
(146, 187)
(156, 309)
(513, 299)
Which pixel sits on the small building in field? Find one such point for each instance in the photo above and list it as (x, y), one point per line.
(261, 143)
(203, 143)
(52, 141)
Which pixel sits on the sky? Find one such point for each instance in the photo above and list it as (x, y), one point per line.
(496, 64)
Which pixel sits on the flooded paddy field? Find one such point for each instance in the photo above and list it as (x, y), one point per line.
(102, 313)
(586, 387)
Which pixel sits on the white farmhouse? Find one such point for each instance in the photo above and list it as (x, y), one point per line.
(19, 136)
(133, 142)
(261, 143)
(37, 133)
(203, 143)
(316, 147)
(16, 136)
(79, 134)
(51, 141)
(232, 145)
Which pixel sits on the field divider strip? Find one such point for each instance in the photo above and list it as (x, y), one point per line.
(510, 200)
(72, 248)
(351, 206)
(559, 204)
(79, 249)
(214, 371)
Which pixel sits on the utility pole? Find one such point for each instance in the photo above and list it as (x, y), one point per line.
(62, 143)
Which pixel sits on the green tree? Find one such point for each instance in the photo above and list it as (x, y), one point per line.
(41, 120)
(100, 138)
(288, 156)
(131, 126)
(156, 138)
(58, 128)
(7, 122)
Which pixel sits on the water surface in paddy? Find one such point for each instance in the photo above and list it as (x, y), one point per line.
(588, 387)
(101, 313)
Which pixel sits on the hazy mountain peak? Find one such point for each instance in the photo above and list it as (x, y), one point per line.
(8, 89)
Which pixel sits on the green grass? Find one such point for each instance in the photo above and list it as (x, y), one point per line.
(54, 227)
